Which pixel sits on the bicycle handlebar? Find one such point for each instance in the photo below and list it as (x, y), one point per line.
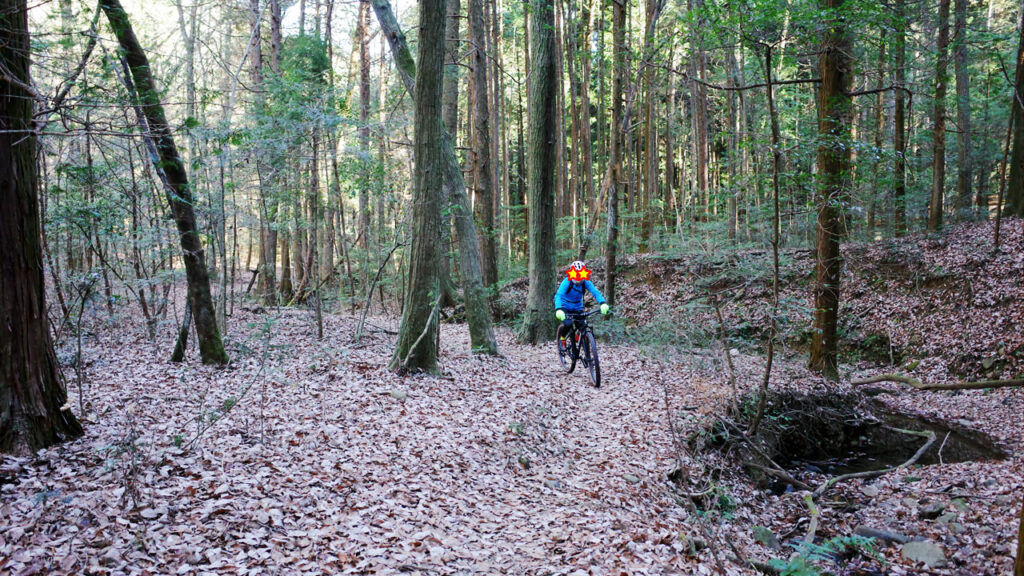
(581, 314)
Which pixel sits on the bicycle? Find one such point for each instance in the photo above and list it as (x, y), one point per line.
(580, 339)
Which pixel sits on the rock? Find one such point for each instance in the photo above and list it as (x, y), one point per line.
(884, 535)
(870, 490)
(926, 552)
(553, 484)
(957, 528)
(399, 395)
(931, 511)
(989, 362)
(631, 478)
(909, 502)
(946, 518)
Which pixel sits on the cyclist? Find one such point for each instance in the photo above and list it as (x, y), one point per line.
(569, 297)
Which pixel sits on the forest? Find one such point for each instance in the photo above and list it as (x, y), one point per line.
(278, 287)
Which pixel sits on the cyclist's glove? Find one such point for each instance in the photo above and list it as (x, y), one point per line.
(605, 308)
(560, 314)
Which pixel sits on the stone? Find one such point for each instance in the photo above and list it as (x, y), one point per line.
(631, 478)
(870, 490)
(931, 511)
(883, 535)
(399, 395)
(926, 552)
(946, 518)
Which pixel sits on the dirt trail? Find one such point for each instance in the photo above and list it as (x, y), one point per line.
(327, 463)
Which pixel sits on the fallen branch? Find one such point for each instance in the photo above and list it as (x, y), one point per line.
(915, 383)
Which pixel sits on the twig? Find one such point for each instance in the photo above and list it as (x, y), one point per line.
(815, 514)
(426, 329)
(369, 293)
(943, 445)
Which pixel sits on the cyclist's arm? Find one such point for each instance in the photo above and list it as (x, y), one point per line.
(595, 292)
(562, 289)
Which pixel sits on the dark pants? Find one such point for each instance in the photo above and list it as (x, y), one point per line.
(565, 326)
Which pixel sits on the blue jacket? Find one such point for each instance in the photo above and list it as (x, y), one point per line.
(570, 296)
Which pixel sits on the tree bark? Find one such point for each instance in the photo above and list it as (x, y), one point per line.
(33, 410)
(939, 120)
(450, 117)
(539, 319)
(1015, 187)
(481, 332)
(483, 184)
(965, 159)
(416, 349)
(835, 71)
(363, 229)
(899, 133)
(179, 194)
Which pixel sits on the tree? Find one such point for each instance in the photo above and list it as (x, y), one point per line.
(33, 411)
(613, 173)
(179, 194)
(481, 332)
(1015, 187)
(539, 319)
(899, 132)
(835, 71)
(965, 164)
(939, 121)
(416, 349)
(483, 184)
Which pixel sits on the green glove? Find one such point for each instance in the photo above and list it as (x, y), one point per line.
(605, 308)
(560, 314)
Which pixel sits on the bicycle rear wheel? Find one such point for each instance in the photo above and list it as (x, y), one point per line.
(590, 351)
(565, 353)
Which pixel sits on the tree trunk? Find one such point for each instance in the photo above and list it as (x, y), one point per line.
(899, 133)
(363, 229)
(483, 191)
(450, 117)
(613, 174)
(539, 319)
(939, 120)
(653, 10)
(965, 162)
(835, 71)
(33, 411)
(416, 349)
(700, 111)
(179, 194)
(1015, 187)
(481, 332)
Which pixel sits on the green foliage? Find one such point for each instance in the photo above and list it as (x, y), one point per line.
(838, 550)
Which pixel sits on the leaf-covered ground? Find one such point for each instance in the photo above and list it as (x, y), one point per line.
(308, 457)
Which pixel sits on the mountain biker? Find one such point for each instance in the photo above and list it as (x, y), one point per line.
(569, 297)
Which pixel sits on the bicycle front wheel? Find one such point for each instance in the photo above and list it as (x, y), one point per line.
(592, 363)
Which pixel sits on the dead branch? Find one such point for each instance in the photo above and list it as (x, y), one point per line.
(915, 383)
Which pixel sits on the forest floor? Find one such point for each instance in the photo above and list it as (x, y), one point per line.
(307, 456)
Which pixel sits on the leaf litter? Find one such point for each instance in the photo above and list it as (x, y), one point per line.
(309, 457)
